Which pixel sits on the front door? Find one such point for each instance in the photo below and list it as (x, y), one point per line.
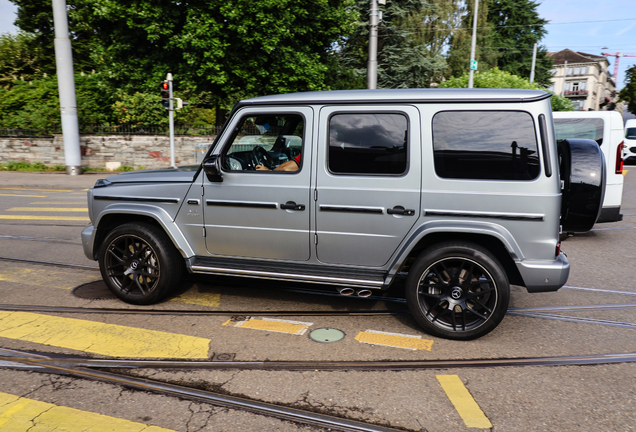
(368, 182)
(260, 209)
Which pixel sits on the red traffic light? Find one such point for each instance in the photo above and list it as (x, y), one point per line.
(164, 85)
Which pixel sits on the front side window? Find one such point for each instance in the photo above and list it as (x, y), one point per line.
(485, 145)
(368, 143)
(269, 142)
(579, 128)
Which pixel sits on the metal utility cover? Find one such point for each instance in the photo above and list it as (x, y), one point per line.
(326, 335)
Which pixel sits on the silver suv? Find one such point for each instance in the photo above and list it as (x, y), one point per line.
(455, 193)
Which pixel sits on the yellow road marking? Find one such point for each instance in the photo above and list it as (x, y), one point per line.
(394, 340)
(59, 202)
(44, 278)
(42, 190)
(195, 296)
(49, 209)
(275, 325)
(464, 403)
(625, 172)
(32, 196)
(99, 338)
(21, 414)
(55, 218)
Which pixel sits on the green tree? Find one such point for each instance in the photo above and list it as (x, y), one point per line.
(516, 28)
(628, 93)
(20, 58)
(495, 78)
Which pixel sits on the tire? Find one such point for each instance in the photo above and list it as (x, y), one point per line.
(139, 263)
(457, 291)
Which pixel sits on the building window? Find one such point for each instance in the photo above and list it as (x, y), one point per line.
(577, 71)
(583, 70)
(569, 71)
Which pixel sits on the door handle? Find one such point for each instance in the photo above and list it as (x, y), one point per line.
(291, 205)
(399, 210)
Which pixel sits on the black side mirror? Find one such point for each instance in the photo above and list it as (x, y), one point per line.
(212, 168)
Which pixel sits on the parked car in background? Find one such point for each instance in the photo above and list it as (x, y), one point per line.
(606, 128)
(629, 150)
(449, 194)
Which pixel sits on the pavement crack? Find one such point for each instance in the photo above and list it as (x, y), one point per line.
(34, 420)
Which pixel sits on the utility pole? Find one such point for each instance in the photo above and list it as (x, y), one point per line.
(66, 86)
(534, 61)
(171, 119)
(372, 65)
(473, 63)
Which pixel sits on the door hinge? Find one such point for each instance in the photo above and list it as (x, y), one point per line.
(205, 233)
(315, 194)
(202, 190)
(315, 239)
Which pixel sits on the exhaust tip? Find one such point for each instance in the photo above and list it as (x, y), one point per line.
(364, 293)
(346, 291)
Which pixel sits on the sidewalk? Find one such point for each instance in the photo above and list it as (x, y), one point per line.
(50, 180)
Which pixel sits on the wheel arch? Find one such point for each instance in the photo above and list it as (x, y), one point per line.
(498, 241)
(117, 215)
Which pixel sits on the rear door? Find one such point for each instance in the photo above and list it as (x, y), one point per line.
(367, 182)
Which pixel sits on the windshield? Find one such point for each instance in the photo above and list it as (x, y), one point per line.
(589, 128)
(630, 133)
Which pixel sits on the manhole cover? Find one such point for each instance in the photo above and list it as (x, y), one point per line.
(93, 291)
(326, 335)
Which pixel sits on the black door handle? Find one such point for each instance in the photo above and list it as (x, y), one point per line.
(399, 210)
(290, 205)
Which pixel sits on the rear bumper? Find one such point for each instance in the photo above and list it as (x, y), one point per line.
(543, 276)
(610, 214)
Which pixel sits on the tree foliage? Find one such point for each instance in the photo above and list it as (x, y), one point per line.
(495, 78)
(628, 93)
(20, 58)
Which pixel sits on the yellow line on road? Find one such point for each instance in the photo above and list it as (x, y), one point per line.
(197, 297)
(464, 403)
(20, 414)
(41, 190)
(49, 209)
(99, 338)
(54, 218)
(32, 196)
(44, 278)
(274, 325)
(59, 202)
(394, 340)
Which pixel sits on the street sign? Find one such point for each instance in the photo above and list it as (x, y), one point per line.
(473, 65)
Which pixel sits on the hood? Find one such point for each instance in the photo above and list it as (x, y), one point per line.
(167, 175)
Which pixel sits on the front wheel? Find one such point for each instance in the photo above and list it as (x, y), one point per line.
(457, 291)
(139, 263)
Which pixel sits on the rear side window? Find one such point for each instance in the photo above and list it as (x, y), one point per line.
(485, 145)
(587, 128)
(368, 143)
(630, 133)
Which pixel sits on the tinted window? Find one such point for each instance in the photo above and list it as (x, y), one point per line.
(485, 145)
(630, 133)
(588, 128)
(368, 143)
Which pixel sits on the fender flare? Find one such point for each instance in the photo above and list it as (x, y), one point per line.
(159, 215)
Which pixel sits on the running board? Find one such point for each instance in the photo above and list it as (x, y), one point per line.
(373, 279)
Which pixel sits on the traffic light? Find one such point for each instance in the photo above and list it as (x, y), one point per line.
(165, 95)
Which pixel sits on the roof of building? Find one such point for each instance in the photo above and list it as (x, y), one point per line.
(560, 57)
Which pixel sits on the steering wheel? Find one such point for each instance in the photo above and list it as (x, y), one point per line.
(262, 157)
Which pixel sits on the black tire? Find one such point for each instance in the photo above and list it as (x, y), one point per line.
(139, 263)
(457, 291)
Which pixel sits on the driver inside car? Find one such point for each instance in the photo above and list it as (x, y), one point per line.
(290, 165)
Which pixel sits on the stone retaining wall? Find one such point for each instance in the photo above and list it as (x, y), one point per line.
(107, 151)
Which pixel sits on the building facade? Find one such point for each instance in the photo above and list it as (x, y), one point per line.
(584, 79)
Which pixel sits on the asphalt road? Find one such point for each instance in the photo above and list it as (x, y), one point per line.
(41, 217)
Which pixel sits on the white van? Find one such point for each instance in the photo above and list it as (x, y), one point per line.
(629, 151)
(606, 128)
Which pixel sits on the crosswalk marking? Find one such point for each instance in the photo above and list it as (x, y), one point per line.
(100, 338)
(21, 414)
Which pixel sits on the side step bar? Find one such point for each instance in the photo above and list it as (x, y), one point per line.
(292, 273)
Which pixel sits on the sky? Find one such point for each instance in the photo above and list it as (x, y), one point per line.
(589, 26)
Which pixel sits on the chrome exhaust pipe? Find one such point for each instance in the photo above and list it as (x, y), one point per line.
(346, 291)
(364, 293)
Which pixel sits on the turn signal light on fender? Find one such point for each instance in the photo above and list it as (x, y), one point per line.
(558, 249)
(619, 158)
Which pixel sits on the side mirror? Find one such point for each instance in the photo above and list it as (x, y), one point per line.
(212, 168)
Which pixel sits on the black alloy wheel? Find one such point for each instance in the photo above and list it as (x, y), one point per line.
(457, 291)
(139, 263)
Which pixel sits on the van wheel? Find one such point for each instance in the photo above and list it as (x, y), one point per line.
(139, 263)
(457, 291)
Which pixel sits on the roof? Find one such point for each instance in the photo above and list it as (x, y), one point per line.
(402, 95)
(570, 56)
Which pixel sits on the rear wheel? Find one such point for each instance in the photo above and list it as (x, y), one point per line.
(139, 263)
(457, 291)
